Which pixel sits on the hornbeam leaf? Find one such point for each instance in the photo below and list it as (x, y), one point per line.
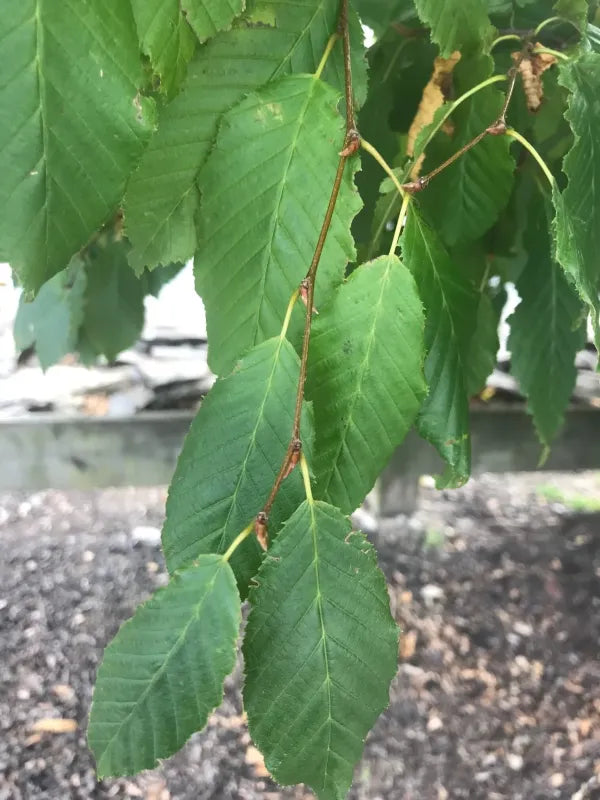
(273, 39)
(466, 198)
(456, 24)
(114, 300)
(163, 673)
(266, 187)
(230, 459)
(484, 346)
(320, 651)
(73, 125)
(51, 320)
(451, 305)
(546, 330)
(166, 38)
(577, 223)
(365, 378)
(208, 17)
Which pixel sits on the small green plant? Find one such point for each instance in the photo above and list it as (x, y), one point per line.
(353, 221)
(580, 503)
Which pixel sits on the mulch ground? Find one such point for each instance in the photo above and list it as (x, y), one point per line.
(498, 689)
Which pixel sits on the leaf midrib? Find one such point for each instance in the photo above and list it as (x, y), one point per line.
(39, 46)
(329, 720)
(268, 249)
(440, 284)
(360, 376)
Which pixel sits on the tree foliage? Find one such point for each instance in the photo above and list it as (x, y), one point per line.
(353, 218)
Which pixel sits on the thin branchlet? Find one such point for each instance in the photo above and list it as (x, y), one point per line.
(351, 145)
(496, 128)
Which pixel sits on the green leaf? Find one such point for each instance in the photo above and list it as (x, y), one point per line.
(230, 459)
(577, 224)
(208, 17)
(574, 10)
(466, 198)
(484, 346)
(266, 189)
(546, 330)
(73, 124)
(451, 305)
(456, 24)
(163, 673)
(157, 278)
(273, 39)
(320, 651)
(166, 38)
(51, 321)
(114, 300)
(365, 378)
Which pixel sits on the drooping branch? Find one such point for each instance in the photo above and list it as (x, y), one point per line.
(351, 145)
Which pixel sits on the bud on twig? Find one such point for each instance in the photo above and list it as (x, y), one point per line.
(415, 186)
(260, 528)
(352, 143)
(304, 295)
(294, 457)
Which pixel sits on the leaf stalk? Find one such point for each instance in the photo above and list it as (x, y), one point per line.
(306, 479)
(550, 52)
(401, 222)
(551, 21)
(288, 313)
(531, 149)
(507, 37)
(372, 151)
(241, 537)
(331, 43)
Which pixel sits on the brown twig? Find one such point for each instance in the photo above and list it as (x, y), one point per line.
(513, 72)
(344, 31)
(351, 145)
(497, 128)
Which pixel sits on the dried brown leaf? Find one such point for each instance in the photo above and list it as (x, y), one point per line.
(434, 95)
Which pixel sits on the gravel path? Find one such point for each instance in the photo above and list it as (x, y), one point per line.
(498, 690)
